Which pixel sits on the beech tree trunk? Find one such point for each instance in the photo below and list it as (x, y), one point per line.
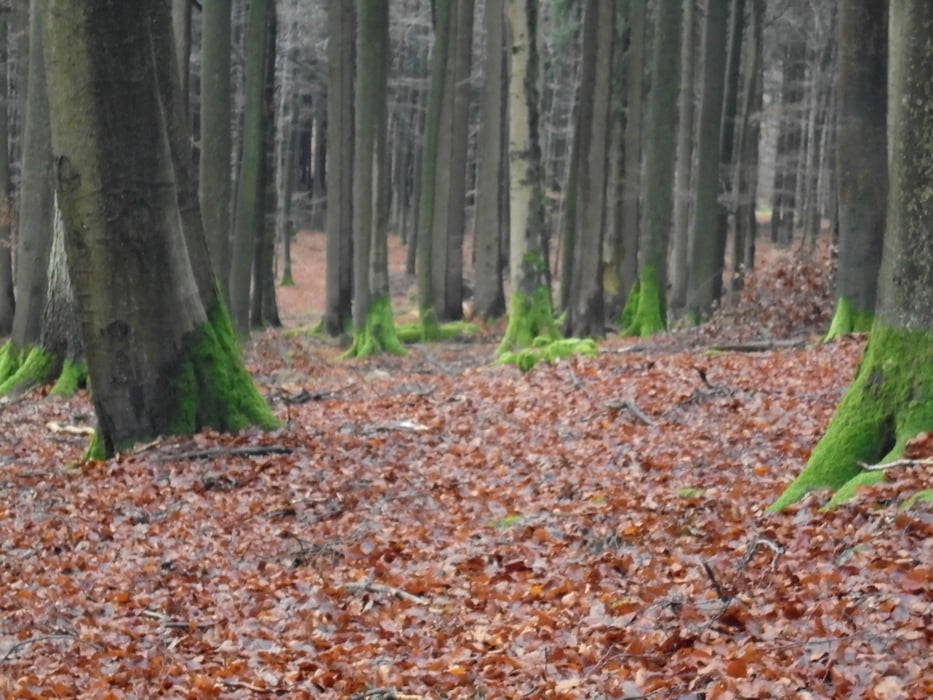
(341, 62)
(646, 308)
(891, 398)
(861, 161)
(7, 304)
(162, 359)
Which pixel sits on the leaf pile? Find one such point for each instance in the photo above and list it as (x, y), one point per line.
(436, 526)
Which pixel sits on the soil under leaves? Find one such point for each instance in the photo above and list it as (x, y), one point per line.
(436, 526)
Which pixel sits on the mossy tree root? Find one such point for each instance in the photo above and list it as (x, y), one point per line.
(644, 311)
(529, 318)
(378, 332)
(36, 366)
(73, 375)
(847, 320)
(889, 402)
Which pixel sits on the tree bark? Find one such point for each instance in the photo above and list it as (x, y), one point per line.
(341, 61)
(7, 303)
(646, 309)
(489, 298)
(215, 190)
(891, 398)
(861, 161)
(705, 249)
(161, 359)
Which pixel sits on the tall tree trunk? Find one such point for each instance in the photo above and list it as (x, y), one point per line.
(215, 190)
(861, 161)
(745, 179)
(181, 28)
(787, 158)
(530, 311)
(891, 399)
(7, 304)
(341, 62)
(249, 199)
(646, 309)
(586, 308)
(705, 250)
(683, 195)
(373, 325)
(162, 360)
(489, 299)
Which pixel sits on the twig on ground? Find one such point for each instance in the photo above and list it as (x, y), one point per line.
(253, 688)
(631, 406)
(574, 378)
(381, 588)
(211, 452)
(753, 547)
(32, 640)
(759, 345)
(927, 462)
(176, 624)
(720, 591)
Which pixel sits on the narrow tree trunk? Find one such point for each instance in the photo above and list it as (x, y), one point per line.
(7, 304)
(181, 29)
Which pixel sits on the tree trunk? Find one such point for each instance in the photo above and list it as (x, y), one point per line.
(705, 250)
(341, 61)
(489, 299)
(162, 360)
(861, 161)
(373, 325)
(215, 190)
(787, 157)
(249, 199)
(7, 304)
(530, 312)
(181, 29)
(683, 195)
(891, 398)
(586, 308)
(646, 309)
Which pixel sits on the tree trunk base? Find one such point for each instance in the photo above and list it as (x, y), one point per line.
(378, 333)
(22, 369)
(529, 318)
(643, 314)
(847, 320)
(890, 401)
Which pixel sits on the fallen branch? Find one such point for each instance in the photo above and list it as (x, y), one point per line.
(927, 462)
(385, 694)
(211, 452)
(176, 624)
(720, 591)
(753, 547)
(381, 588)
(630, 405)
(759, 345)
(54, 427)
(32, 640)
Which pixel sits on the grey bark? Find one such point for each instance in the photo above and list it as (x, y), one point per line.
(7, 304)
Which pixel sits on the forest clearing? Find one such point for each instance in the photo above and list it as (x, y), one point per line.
(435, 526)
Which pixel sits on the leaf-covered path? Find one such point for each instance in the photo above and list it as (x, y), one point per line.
(434, 526)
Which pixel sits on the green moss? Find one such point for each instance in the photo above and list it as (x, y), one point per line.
(415, 332)
(429, 328)
(378, 332)
(210, 386)
(530, 318)
(644, 311)
(11, 357)
(924, 496)
(547, 350)
(73, 374)
(95, 449)
(890, 401)
(35, 368)
(287, 281)
(847, 320)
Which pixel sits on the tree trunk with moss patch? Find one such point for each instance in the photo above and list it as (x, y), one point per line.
(646, 310)
(530, 310)
(373, 325)
(891, 399)
(161, 358)
(861, 161)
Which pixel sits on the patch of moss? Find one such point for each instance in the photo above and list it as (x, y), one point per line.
(547, 350)
(645, 310)
(73, 374)
(287, 281)
(414, 332)
(36, 367)
(11, 357)
(378, 332)
(890, 401)
(848, 320)
(530, 318)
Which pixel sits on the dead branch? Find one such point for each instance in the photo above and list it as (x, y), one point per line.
(720, 591)
(210, 453)
(54, 427)
(176, 624)
(630, 405)
(927, 462)
(32, 640)
(381, 588)
(759, 345)
(753, 547)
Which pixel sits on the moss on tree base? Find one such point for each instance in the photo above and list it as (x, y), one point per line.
(644, 310)
(73, 374)
(889, 402)
(529, 318)
(378, 332)
(848, 320)
(33, 366)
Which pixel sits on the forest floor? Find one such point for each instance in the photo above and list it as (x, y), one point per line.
(437, 526)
